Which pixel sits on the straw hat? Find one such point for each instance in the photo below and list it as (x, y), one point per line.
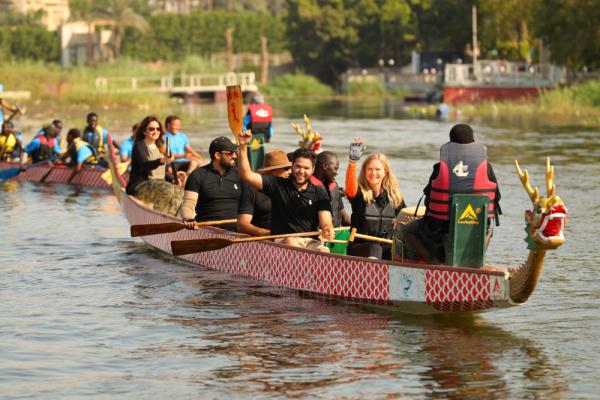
(275, 160)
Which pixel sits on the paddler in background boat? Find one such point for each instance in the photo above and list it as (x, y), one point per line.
(42, 147)
(254, 213)
(80, 154)
(459, 171)
(5, 105)
(376, 200)
(259, 120)
(97, 136)
(147, 176)
(213, 191)
(186, 159)
(297, 204)
(11, 142)
(127, 145)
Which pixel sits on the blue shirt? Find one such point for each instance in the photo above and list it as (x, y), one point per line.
(83, 153)
(127, 147)
(177, 144)
(246, 122)
(34, 146)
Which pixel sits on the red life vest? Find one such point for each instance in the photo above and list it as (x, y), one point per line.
(46, 149)
(261, 117)
(463, 170)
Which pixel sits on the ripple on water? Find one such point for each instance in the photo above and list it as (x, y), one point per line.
(87, 311)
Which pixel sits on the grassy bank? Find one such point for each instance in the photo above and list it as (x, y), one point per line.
(578, 106)
(60, 88)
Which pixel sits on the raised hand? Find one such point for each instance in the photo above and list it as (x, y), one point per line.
(245, 137)
(357, 148)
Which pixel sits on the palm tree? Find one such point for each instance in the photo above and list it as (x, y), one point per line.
(83, 10)
(120, 15)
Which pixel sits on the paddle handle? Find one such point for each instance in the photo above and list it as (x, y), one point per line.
(354, 235)
(287, 235)
(219, 222)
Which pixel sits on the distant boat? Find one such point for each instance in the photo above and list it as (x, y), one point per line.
(498, 80)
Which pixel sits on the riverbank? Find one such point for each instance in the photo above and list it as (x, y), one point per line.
(575, 106)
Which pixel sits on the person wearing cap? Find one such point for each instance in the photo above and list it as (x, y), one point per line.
(213, 191)
(326, 169)
(459, 171)
(297, 204)
(254, 212)
(42, 147)
(186, 159)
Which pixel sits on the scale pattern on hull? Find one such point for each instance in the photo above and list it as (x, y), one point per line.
(348, 278)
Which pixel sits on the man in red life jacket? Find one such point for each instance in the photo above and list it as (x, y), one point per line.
(463, 168)
(42, 147)
(259, 120)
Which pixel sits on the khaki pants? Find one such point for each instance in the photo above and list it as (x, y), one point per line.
(304, 242)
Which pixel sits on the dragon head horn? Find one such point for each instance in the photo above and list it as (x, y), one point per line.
(534, 193)
(550, 187)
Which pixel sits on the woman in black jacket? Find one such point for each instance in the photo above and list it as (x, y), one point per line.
(147, 177)
(148, 157)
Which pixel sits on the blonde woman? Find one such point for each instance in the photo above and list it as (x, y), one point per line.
(375, 198)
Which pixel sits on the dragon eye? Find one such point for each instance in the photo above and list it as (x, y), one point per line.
(538, 210)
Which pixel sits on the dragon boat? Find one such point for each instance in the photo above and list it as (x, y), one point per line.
(388, 286)
(47, 173)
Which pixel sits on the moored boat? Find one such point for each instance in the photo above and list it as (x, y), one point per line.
(391, 286)
(46, 173)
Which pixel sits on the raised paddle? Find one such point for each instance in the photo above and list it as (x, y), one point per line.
(182, 247)
(354, 235)
(234, 109)
(168, 227)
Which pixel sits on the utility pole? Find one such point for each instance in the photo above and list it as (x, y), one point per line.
(475, 45)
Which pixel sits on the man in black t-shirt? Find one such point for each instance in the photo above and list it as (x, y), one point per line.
(212, 192)
(297, 204)
(254, 213)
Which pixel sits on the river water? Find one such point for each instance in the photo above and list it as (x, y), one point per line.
(87, 311)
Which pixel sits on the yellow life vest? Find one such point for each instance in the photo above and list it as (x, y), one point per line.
(8, 143)
(77, 143)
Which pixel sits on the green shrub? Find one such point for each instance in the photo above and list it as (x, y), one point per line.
(296, 85)
(366, 89)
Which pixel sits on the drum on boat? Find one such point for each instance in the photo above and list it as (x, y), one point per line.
(405, 216)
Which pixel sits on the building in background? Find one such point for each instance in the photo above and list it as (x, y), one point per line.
(80, 41)
(56, 12)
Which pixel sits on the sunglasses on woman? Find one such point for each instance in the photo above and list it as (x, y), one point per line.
(152, 129)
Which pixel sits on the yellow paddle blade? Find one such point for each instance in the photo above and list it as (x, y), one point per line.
(234, 109)
(121, 168)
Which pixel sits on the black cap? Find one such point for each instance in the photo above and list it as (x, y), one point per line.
(221, 144)
(461, 133)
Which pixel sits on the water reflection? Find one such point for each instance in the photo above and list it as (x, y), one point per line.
(255, 339)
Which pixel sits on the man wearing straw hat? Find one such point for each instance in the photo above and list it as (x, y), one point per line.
(254, 213)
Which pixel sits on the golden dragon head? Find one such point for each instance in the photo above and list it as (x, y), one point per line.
(311, 141)
(546, 222)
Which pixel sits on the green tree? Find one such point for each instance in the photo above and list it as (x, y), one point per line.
(571, 28)
(504, 27)
(121, 15)
(328, 36)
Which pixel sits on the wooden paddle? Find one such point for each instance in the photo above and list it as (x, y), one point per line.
(168, 227)
(182, 247)
(354, 235)
(234, 109)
